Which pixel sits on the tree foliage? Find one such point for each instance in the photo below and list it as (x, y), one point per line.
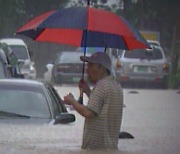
(14, 13)
(157, 15)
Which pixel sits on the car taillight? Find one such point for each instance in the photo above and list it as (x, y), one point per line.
(158, 79)
(118, 63)
(125, 78)
(61, 68)
(166, 68)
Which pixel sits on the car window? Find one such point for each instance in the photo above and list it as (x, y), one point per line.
(20, 51)
(116, 53)
(134, 54)
(62, 106)
(70, 57)
(67, 58)
(55, 104)
(157, 54)
(144, 54)
(24, 100)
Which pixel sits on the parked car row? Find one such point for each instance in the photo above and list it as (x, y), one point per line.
(140, 68)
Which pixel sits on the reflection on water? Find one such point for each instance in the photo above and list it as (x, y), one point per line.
(151, 116)
(54, 139)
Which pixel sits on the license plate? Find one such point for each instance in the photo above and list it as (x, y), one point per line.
(76, 79)
(142, 69)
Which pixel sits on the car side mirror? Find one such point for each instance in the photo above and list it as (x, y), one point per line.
(64, 118)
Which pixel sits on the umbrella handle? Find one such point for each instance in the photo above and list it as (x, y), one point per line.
(80, 100)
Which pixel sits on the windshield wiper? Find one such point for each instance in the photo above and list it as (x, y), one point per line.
(11, 114)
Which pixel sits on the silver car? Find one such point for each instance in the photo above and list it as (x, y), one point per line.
(144, 67)
(25, 101)
(68, 68)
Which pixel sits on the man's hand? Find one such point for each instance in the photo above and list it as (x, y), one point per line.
(69, 99)
(81, 109)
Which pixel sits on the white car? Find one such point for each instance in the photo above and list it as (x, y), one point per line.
(21, 51)
(144, 67)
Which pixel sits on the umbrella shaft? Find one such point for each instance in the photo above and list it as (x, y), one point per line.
(88, 2)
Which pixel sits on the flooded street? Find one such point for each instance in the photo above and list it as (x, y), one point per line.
(151, 116)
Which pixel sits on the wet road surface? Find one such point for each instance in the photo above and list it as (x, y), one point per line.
(151, 116)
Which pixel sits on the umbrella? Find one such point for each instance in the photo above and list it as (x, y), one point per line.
(84, 27)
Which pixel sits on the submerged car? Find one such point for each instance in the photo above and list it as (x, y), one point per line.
(9, 67)
(68, 68)
(21, 51)
(143, 67)
(29, 101)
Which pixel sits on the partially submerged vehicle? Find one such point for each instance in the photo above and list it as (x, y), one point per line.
(22, 54)
(9, 66)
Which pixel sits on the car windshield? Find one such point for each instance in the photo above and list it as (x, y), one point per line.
(70, 58)
(20, 51)
(144, 54)
(21, 100)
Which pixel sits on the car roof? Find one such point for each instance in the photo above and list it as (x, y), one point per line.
(20, 82)
(147, 49)
(12, 41)
(71, 53)
(156, 47)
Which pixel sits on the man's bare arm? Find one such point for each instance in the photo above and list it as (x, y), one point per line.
(81, 109)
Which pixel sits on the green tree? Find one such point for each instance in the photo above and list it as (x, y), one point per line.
(14, 13)
(157, 15)
(97, 4)
(9, 10)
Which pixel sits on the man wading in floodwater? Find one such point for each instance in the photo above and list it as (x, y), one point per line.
(103, 113)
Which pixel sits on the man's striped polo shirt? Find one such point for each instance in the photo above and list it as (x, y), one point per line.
(106, 100)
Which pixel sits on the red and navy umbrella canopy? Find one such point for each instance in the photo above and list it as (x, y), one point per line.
(84, 27)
